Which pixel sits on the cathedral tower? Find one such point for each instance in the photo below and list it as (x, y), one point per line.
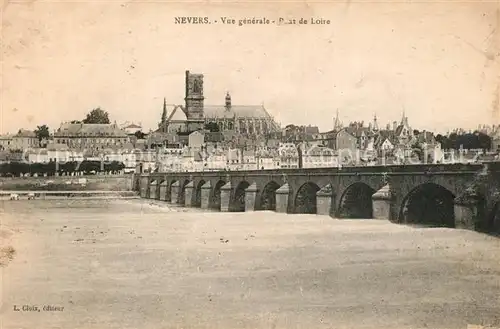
(194, 101)
(228, 102)
(194, 96)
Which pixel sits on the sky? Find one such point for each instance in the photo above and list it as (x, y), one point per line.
(437, 62)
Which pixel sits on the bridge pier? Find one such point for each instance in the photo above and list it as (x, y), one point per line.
(152, 189)
(467, 213)
(174, 192)
(282, 196)
(382, 201)
(250, 197)
(324, 200)
(163, 191)
(225, 197)
(143, 186)
(205, 195)
(188, 194)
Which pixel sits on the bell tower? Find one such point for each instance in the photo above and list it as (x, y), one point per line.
(228, 102)
(194, 101)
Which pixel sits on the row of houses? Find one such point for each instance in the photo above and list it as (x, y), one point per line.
(22, 140)
(297, 147)
(286, 156)
(74, 136)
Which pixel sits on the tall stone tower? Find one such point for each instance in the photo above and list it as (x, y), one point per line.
(228, 102)
(194, 101)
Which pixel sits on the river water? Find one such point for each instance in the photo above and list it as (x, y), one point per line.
(135, 264)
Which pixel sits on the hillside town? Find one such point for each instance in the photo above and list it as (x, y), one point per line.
(198, 137)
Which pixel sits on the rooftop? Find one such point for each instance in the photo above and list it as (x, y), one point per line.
(89, 129)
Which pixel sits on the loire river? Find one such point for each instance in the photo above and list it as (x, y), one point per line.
(131, 264)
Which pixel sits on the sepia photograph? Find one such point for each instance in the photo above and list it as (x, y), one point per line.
(224, 164)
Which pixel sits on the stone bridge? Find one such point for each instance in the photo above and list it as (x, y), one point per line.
(458, 195)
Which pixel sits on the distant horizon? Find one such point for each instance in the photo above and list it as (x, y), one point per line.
(437, 62)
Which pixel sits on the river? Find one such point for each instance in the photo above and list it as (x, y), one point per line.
(135, 264)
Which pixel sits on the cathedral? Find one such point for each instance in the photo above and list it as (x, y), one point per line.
(246, 120)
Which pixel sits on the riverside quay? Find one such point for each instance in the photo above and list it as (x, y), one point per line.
(456, 195)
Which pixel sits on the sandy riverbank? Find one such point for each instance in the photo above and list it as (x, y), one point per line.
(7, 251)
(143, 264)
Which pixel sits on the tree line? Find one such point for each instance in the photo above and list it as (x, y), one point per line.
(469, 141)
(50, 168)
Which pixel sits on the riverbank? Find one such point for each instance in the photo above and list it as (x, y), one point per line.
(68, 183)
(7, 251)
(146, 264)
(51, 195)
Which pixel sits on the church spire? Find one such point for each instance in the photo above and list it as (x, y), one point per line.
(336, 122)
(164, 114)
(375, 124)
(404, 119)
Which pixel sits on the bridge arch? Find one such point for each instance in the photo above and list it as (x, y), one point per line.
(238, 200)
(356, 201)
(216, 194)
(305, 200)
(182, 192)
(268, 196)
(428, 204)
(196, 202)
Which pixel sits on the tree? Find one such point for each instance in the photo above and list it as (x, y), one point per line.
(139, 134)
(484, 141)
(418, 151)
(97, 115)
(42, 132)
(212, 127)
(452, 139)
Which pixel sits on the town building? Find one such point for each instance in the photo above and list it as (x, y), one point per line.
(23, 140)
(196, 139)
(249, 161)
(91, 136)
(54, 152)
(5, 142)
(288, 156)
(403, 132)
(318, 157)
(170, 159)
(267, 158)
(216, 159)
(345, 141)
(131, 128)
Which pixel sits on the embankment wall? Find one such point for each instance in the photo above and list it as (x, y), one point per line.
(68, 183)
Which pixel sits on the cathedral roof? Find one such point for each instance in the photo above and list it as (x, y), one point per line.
(240, 111)
(133, 125)
(177, 114)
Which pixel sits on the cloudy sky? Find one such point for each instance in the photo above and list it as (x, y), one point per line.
(438, 62)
